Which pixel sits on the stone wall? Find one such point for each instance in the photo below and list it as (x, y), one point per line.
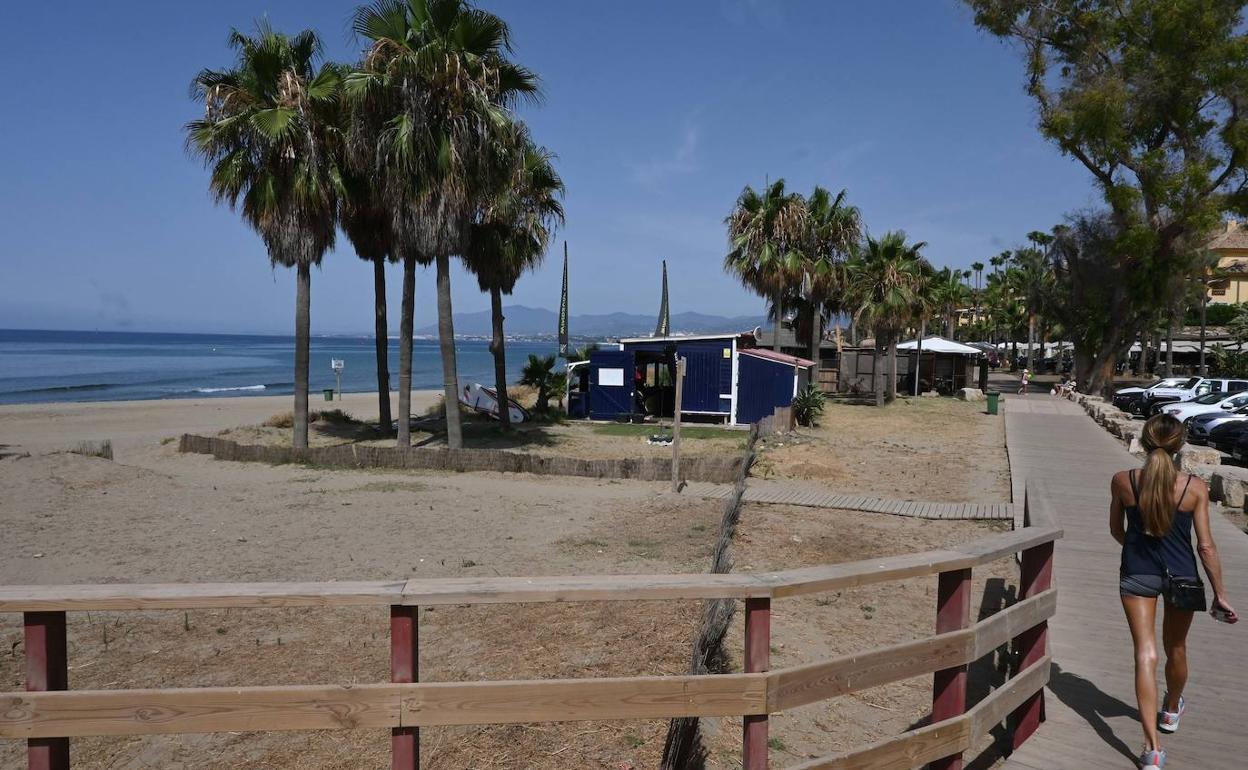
(719, 470)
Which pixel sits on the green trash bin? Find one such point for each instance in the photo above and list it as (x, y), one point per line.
(993, 398)
(329, 395)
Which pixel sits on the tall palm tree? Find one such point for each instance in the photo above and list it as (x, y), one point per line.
(439, 72)
(882, 280)
(1030, 276)
(366, 223)
(512, 237)
(950, 295)
(978, 267)
(269, 136)
(765, 232)
(833, 228)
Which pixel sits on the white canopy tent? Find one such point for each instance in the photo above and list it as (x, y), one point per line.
(935, 344)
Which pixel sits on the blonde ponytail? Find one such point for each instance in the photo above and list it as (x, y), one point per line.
(1162, 437)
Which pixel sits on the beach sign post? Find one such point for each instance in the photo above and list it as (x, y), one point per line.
(338, 364)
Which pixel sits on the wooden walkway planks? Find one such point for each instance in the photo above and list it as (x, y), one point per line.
(1092, 720)
(781, 493)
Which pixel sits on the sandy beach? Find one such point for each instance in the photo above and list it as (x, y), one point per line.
(129, 424)
(155, 515)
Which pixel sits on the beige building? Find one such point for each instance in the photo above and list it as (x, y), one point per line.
(1231, 247)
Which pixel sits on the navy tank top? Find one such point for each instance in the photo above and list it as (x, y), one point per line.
(1143, 554)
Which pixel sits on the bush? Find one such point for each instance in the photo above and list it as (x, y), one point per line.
(1215, 315)
(331, 416)
(808, 406)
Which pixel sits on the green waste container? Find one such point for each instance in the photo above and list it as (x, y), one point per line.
(329, 396)
(993, 398)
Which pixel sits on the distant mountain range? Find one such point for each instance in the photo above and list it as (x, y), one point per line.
(525, 321)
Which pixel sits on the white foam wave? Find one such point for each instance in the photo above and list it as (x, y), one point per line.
(226, 390)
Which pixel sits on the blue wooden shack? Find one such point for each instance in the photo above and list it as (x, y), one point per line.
(726, 378)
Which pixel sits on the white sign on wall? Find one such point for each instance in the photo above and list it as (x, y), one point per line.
(611, 378)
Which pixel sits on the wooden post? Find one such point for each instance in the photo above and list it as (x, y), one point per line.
(404, 668)
(47, 668)
(680, 389)
(757, 659)
(953, 613)
(1036, 576)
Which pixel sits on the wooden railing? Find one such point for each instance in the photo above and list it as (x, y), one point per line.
(48, 714)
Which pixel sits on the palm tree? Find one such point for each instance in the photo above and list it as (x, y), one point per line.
(950, 295)
(539, 372)
(269, 136)
(437, 71)
(833, 228)
(366, 223)
(765, 234)
(1030, 276)
(881, 285)
(512, 238)
(978, 267)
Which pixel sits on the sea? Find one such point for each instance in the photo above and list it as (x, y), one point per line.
(50, 366)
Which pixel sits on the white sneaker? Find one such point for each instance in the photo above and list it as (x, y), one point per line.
(1169, 720)
(1152, 760)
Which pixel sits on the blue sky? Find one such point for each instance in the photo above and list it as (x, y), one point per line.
(659, 112)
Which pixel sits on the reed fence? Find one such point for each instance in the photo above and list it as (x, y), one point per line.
(48, 714)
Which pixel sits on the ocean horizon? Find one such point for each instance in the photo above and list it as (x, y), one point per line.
(49, 366)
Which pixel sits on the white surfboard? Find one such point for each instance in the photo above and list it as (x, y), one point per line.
(481, 399)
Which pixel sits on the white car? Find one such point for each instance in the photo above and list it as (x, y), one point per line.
(1210, 402)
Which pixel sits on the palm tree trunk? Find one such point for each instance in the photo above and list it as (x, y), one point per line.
(1170, 347)
(406, 319)
(381, 332)
(890, 392)
(778, 305)
(497, 347)
(816, 337)
(1031, 342)
(877, 376)
(446, 340)
(303, 323)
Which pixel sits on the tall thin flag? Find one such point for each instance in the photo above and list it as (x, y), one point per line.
(563, 307)
(664, 327)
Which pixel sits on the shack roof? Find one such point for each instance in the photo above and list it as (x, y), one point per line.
(686, 337)
(772, 355)
(940, 345)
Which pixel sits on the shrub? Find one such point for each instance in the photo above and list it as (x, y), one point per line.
(808, 406)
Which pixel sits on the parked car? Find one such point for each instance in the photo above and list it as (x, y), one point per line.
(1224, 437)
(1210, 402)
(1156, 398)
(1131, 400)
(1200, 426)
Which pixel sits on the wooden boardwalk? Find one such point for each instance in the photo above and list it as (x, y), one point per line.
(1092, 720)
(783, 493)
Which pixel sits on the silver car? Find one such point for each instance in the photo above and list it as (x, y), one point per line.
(1198, 427)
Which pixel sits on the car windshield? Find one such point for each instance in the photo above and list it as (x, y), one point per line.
(1191, 383)
(1209, 398)
(1175, 382)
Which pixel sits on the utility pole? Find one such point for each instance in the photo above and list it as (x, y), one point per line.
(680, 389)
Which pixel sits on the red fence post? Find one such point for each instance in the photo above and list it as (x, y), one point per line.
(1036, 577)
(404, 668)
(953, 613)
(757, 660)
(47, 668)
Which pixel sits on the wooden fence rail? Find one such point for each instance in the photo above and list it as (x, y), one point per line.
(48, 714)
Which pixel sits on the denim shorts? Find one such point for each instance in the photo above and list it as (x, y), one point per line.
(1146, 586)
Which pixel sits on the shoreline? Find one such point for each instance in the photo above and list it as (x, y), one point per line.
(56, 425)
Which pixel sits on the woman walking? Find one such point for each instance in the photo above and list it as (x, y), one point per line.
(1152, 513)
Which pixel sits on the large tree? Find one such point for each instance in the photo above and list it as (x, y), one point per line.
(269, 135)
(833, 229)
(438, 70)
(512, 236)
(765, 239)
(1149, 96)
(883, 280)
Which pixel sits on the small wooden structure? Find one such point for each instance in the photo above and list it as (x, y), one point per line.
(48, 714)
(944, 366)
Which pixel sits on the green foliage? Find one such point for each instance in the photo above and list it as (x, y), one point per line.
(539, 372)
(1146, 95)
(1215, 315)
(1229, 363)
(765, 235)
(808, 406)
(270, 137)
